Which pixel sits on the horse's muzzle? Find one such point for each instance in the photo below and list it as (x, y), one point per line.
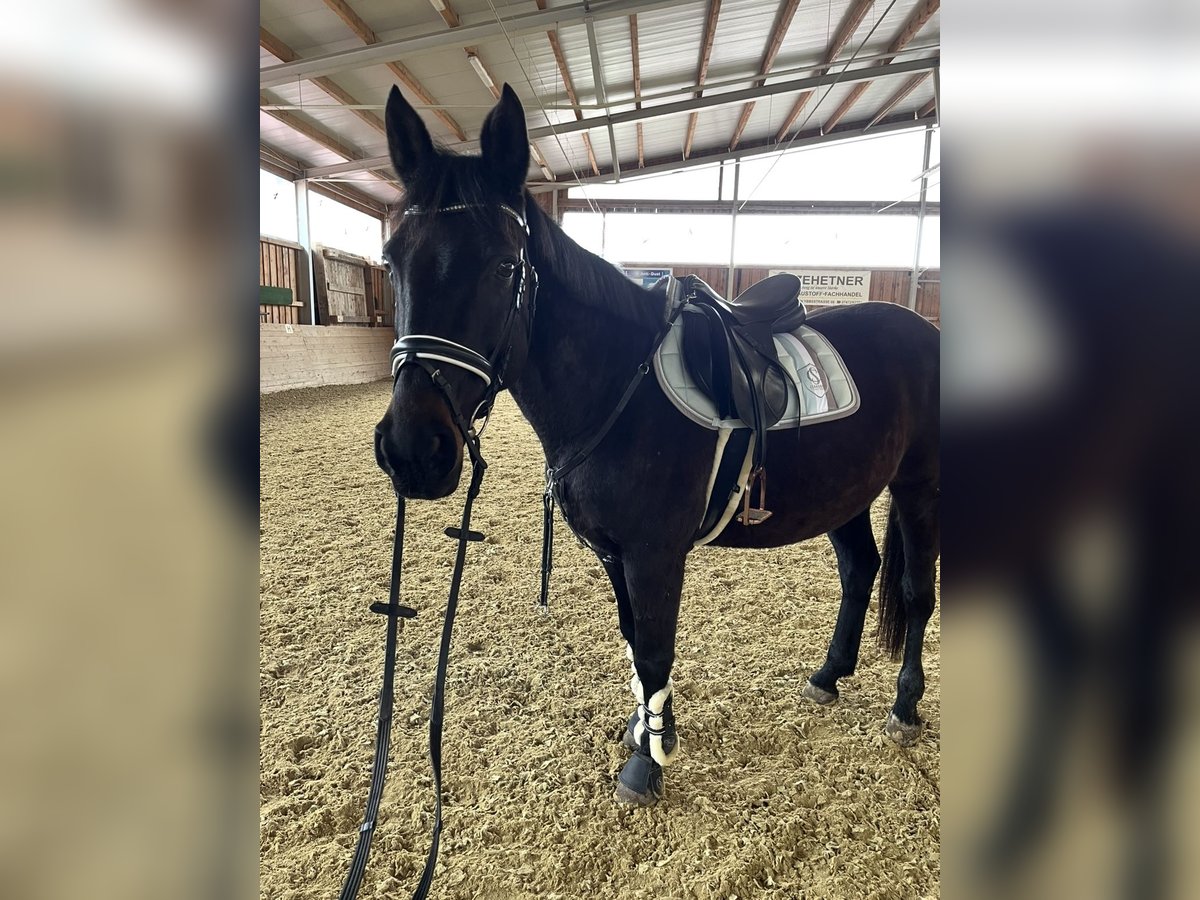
(424, 461)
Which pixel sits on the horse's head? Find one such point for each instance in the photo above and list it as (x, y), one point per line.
(464, 291)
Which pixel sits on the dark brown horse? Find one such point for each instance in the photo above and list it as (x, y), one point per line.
(459, 257)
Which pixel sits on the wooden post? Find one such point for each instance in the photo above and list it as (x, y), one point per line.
(305, 285)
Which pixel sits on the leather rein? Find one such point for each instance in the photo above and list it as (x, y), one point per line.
(431, 353)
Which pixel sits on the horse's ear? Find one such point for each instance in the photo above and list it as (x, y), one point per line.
(408, 139)
(505, 143)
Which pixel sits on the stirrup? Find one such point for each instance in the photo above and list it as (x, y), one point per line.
(760, 513)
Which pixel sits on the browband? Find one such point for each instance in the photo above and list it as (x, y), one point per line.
(460, 207)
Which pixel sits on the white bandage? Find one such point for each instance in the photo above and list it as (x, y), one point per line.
(650, 715)
(654, 721)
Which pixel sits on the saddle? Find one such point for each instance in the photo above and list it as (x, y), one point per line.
(729, 349)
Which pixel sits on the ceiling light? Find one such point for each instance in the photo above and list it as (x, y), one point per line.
(477, 65)
(438, 5)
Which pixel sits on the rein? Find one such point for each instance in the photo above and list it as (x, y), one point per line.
(426, 352)
(429, 352)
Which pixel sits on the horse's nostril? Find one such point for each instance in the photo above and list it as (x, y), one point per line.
(381, 458)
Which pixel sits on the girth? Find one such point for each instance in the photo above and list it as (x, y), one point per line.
(729, 349)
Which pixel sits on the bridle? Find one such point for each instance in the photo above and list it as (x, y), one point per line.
(431, 352)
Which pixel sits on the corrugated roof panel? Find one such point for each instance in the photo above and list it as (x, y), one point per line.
(743, 28)
(327, 114)
(669, 46)
(307, 26)
(669, 50)
(616, 57)
(275, 134)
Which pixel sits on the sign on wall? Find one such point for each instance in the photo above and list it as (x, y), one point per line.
(645, 277)
(822, 287)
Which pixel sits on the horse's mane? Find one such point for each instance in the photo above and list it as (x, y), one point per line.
(593, 281)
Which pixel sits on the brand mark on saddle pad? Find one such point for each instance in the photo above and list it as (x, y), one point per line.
(820, 388)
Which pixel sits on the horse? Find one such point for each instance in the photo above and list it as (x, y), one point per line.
(463, 254)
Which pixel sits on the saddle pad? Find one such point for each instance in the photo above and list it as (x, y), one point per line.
(820, 388)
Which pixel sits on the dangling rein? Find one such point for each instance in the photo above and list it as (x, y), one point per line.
(423, 351)
(426, 352)
(395, 612)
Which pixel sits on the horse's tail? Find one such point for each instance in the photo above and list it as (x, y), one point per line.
(893, 617)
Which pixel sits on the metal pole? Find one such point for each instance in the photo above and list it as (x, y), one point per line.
(737, 177)
(916, 269)
(304, 238)
(937, 97)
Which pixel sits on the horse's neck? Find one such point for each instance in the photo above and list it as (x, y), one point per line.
(581, 357)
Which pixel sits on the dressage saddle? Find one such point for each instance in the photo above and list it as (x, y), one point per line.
(729, 349)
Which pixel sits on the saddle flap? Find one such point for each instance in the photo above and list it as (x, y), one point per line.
(729, 364)
(706, 355)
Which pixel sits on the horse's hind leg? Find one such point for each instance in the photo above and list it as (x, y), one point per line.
(858, 564)
(910, 571)
(654, 581)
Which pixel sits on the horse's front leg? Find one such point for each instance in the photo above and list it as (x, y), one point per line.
(654, 582)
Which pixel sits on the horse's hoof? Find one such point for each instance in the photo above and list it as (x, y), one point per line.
(818, 694)
(903, 734)
(640, 782)
(629, 797)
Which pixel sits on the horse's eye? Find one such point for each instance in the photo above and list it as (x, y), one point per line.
(507, 269)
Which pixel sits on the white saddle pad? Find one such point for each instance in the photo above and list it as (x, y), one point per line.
(820, 388)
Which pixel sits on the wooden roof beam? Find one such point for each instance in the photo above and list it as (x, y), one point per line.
(312, 132)
(446, 11)
(284, 53)
(907, 88)
(320, 136)
(706, 45)
(783, 21)
(850, 23)
(561, 61)
(637, 83)
(916, 21)
(355, 23)
(927, 108)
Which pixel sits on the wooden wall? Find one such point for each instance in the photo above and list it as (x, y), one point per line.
(351, 290)
(887, 285)
(279, 266)
(312, 356)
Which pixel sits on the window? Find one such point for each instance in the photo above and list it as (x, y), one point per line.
(337, 225)
(276, 206)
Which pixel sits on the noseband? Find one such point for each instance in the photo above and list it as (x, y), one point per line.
(431, 352)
